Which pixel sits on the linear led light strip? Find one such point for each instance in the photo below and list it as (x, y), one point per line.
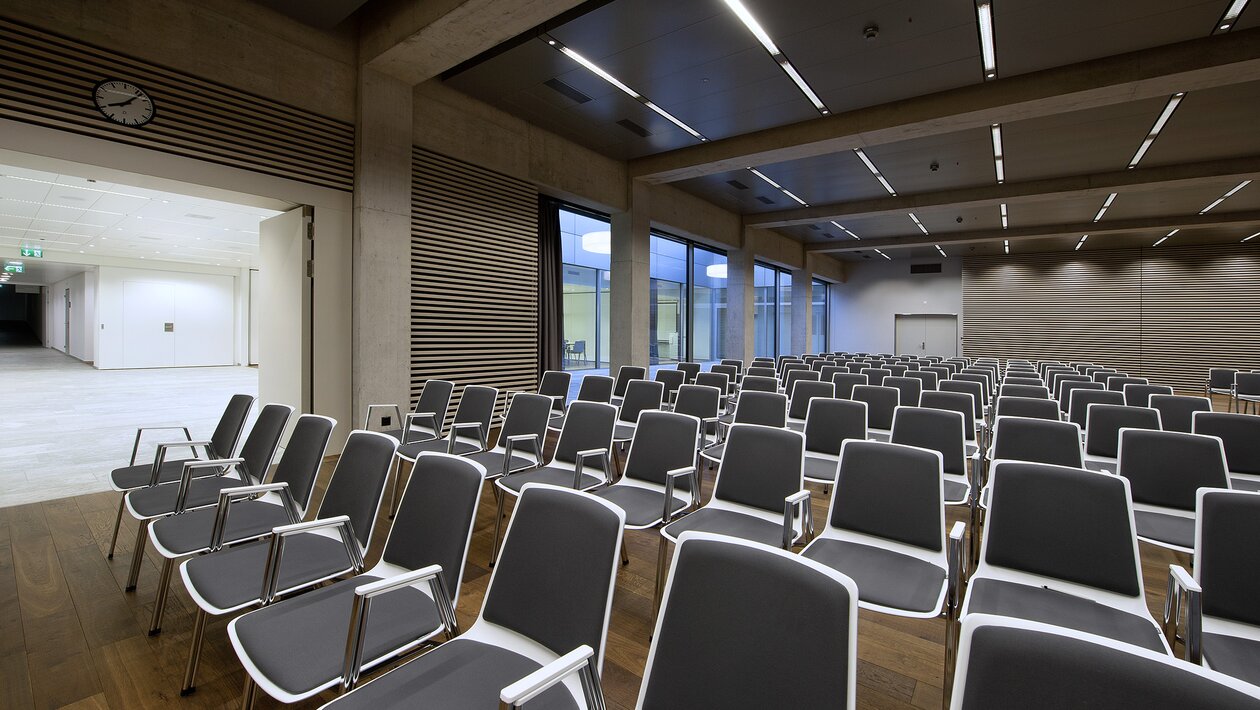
(1231, 16)
(1005, 222)
(1103, 210)
(777, 186)
(942, 251)
(1166, 236)
(996, 130)
(1247, 239)
(919, 224)
(596, 70)
(883, 255)
(984, 18)
(64, 207)
(1081, 243)
(1226, 196)
(875, 171)
(776, 54)
(1164, 115)
(76, 187)
(1006, 245)
(845, 229)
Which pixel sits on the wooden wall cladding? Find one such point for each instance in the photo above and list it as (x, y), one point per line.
(47, 80)
(474, 277)
(1167, 314)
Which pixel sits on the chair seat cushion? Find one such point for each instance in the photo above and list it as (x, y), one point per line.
(727, 522)
(956, 492)
(190, 532)
(1244, 484)
(232, 578)
(1231, 655)
(1169, 529)
(553, 476)
(493, 461)
(138, 476)
(817, 469)
(714, 452)
(411, 451)
(300, 643)
(989, 596)
(883, 577)
(643, 506)
(160, 500)
(795, 425)
(457, 674)
(623, 432)
(727, 418)
(879, 435)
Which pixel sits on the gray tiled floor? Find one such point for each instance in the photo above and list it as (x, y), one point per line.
(66, 425)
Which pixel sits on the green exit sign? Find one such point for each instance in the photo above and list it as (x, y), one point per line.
(14, 267)
(33, 252)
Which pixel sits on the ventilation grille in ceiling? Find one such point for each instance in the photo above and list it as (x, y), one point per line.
(815, 227)
(634, 128)
(925, 268)
(765, 200)
(737, 184)
(190, 215)
(568, 91)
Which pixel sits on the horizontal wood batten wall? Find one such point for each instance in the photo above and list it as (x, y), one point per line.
(47, 80)
(474, 277)
(1166, 314)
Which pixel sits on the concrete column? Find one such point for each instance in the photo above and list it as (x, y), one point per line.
(382, 244)
(631, 281)
(802, 311)
(739, 305)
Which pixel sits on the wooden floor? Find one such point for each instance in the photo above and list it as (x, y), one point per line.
(70, 637)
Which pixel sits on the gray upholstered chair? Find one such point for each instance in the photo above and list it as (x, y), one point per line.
(594, 388)
(640, 395)
(760, 408)
(555, 384)
(942, 431)
(1220, 380)
(965, 404)
(881, 404)
(1240, 434)
(910, 387)
(672, 380)
(1067, 387)
(1081, 399)
(691, 369)
(1247, 391)
(846, 381)
(1164, 470)
(828, 424)
(625, 375)
(1037, 441)
(704, 402)
(1176, 412)
(1103, 423)
(801, 394)
(428, 419)
(1038, 391)
(521, 438)
(1139, 395)
(469, 433)
(1033, 407)
(791, 377)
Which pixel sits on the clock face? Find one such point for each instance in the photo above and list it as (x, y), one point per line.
(123, 102)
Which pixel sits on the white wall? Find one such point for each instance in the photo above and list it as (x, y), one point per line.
(205, 315)
(82, 316)
(863, 308)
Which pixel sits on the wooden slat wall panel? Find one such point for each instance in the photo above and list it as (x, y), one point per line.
(47, 80)
(1166, 314)
(474, 277)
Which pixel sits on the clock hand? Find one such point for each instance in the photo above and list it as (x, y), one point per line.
(123, 103)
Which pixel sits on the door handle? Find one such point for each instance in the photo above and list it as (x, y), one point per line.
(923, 345)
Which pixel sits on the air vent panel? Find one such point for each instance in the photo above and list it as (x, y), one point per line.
(567, 91)
(737, 184)
(925, 268)
(765, 200)
(634, 128)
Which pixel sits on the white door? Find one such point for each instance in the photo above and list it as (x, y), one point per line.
(284, 309)
(941, 335)
(148, 324)
(911, 335)
(254, 298)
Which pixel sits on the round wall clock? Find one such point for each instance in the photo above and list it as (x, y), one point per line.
(123, 102)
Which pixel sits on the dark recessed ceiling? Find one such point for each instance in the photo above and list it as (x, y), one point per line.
(324, 14)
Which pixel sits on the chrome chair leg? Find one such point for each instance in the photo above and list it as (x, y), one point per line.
(194, 653)
(250, 694)
(137, 555)
(660, 578)
(113, 541)
(625, 556)
(159, 601)
(498, 520)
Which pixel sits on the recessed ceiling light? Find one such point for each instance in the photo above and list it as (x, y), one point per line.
(984, 19)
(919, 224)
(1173, 102)
(942, 251)
(64, 207)
(1166, 236)
(1081, 243)
(1230, 18)
(1226, 196)
(776, 54)
(1107, 203)
(1004, 220)
(845, 230)
(1247, 239)
(996, 131)
(73, 187)
(778, 187)
(883, 255)
(875, 171)
(1006, 246)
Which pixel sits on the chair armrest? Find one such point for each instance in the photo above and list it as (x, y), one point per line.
(956, 558)
(185, 476)
(580, 660)
(481, 434)
(432, 418)
(367, 416)
(1183, 590)
(159, 456)
(580, 466)
(509, 449)
(672, 476)
(791, 504)
(135, 448)
(363, 596)
(228, 496)
(275, 553)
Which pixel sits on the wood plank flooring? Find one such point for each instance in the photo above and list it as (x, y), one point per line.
(70, 637)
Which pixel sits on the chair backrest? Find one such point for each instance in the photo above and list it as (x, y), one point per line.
(977, 376)
(699, 400)
(962, 402)
(1221, 378)
(942, 372)
(476, 406)
(856, 367)
(896, 370)
(435, 398)
(764, 408)
(788, 367)
(264, 438)
(663, 442)
(737, 364)
(846, 381)
(595, 388)
(672, 379)
(890, 491)
(803, 392)
(1247, 384)
(555, 383)
(698, 657)
(626, 374)
(434, 520)
(912, 365)
(1037, 391)
(1005, 662)
(553, 582)
(1081, 399)
(720, 380)
(1038, 441)
(228, 431)
(1104, 374)
(928, 380)
(1117, 384)
(641, 395)
(691, 369)
(589, 425)
(1165, 468)
(794, 376)
(1066, 387)
(759, 383)
(829, 371)
(969, 387)
(1224, 554)
(1139, 395)
(1059, 378)
(939, 430)
(1240, 433)
(1024, 381)
(528, 413)
(1034, 407)
(358, 483)
(302, 457)
(760, 467)
(881, 404)
(1027, 529)
(756, 371)
(1176, 412)
(831, 422)
(876, 374)
(731, 372)
(1103, 423)
(910, 387)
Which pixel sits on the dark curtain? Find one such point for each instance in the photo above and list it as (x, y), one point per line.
(550, 285)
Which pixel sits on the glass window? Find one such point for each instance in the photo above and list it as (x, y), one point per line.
(821, 300)
(764, 311)
(785, 314)
(667, 306)
(586, 248)
(708, 305)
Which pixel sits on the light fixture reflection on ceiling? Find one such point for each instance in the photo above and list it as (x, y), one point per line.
(875, 171)
(984, 18)
(715, 271)
(996, 130)
(1226, 196)
(1173, 102)
(844, 229)
(597, 242)
(1107, 203)
(776, 54)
